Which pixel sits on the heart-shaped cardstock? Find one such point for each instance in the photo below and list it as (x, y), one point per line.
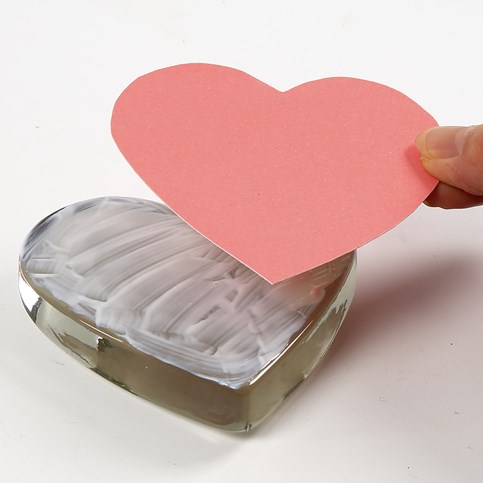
(283, 181)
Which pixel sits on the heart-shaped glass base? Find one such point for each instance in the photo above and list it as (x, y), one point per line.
(147, 302)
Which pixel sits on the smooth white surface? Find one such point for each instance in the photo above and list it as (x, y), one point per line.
(399, 398)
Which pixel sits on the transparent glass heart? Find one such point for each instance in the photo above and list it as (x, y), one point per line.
(147, 302)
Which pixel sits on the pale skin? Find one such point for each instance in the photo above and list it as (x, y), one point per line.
(454, 155)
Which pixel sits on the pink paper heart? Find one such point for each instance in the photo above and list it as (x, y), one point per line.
(283, 181)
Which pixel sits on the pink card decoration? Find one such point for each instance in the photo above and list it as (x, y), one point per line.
(282, 181)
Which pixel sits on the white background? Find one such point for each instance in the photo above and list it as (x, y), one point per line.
(399, 398)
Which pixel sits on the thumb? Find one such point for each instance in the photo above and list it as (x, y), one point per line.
(454, 155)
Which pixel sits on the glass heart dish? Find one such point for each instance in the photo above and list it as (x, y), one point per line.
(144, 300)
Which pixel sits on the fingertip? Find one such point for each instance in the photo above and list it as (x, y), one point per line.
(421, 142)
(449, 197)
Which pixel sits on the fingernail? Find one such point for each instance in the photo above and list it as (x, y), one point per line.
(442, 142)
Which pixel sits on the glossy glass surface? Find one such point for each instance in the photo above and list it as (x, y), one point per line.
(144, 300)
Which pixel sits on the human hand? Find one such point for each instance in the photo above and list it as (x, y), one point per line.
(454, 155)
